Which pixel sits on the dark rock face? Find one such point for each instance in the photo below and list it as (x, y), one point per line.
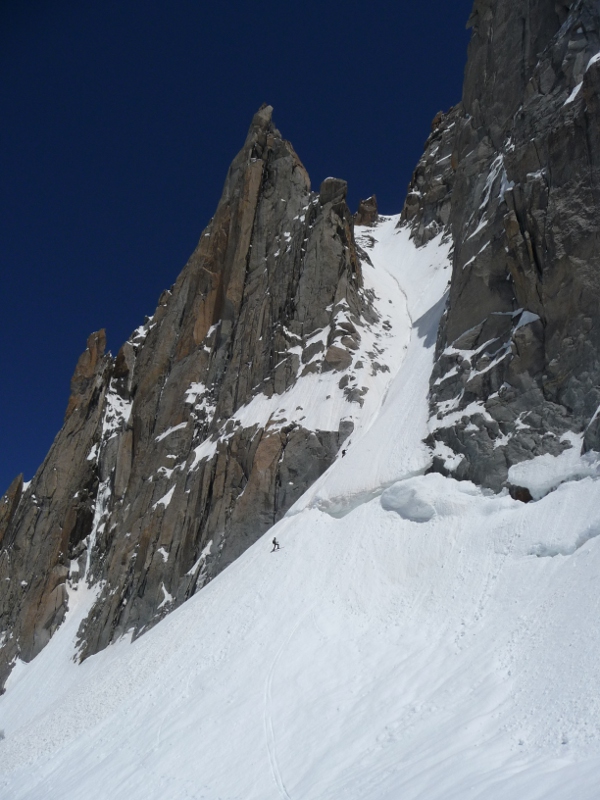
(427, 205)
(367, 213)
(518, 354)
(171, 461)
(9, 504)
(44, 525)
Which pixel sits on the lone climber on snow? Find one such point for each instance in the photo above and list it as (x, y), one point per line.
(275, 545)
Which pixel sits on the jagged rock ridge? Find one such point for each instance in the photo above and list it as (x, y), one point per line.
(176, 455)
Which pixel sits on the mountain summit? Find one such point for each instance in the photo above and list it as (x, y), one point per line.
(212, 419)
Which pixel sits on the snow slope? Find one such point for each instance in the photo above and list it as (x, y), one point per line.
(415, 638)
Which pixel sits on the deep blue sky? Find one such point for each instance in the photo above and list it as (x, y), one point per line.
(119, 121)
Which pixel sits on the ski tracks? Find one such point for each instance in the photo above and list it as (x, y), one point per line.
(268, 715)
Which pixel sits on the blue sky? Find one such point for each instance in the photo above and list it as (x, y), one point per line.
(120, 120)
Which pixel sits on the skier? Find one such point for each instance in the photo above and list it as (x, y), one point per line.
(275, 545)
(344, 453)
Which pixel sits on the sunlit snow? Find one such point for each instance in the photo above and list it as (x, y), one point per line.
(416, 638)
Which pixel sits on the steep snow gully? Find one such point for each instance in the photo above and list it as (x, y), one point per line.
(407, 642)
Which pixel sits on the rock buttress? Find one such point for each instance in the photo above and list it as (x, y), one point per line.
(44, 526)
(182, 457)
(518, 354)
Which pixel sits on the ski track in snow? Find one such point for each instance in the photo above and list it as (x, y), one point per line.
(417, 638)
(268, 717)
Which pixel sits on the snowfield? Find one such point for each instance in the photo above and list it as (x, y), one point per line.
(416, 638)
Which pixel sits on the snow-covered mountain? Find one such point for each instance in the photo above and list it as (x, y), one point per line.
(414, 637)
(409, 404)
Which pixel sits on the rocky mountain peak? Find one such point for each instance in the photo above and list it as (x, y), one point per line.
(367, 213)
(333, 190)
(428, 201)
(209, 424)
(261, 126)
(89, 364)
(9, 504)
